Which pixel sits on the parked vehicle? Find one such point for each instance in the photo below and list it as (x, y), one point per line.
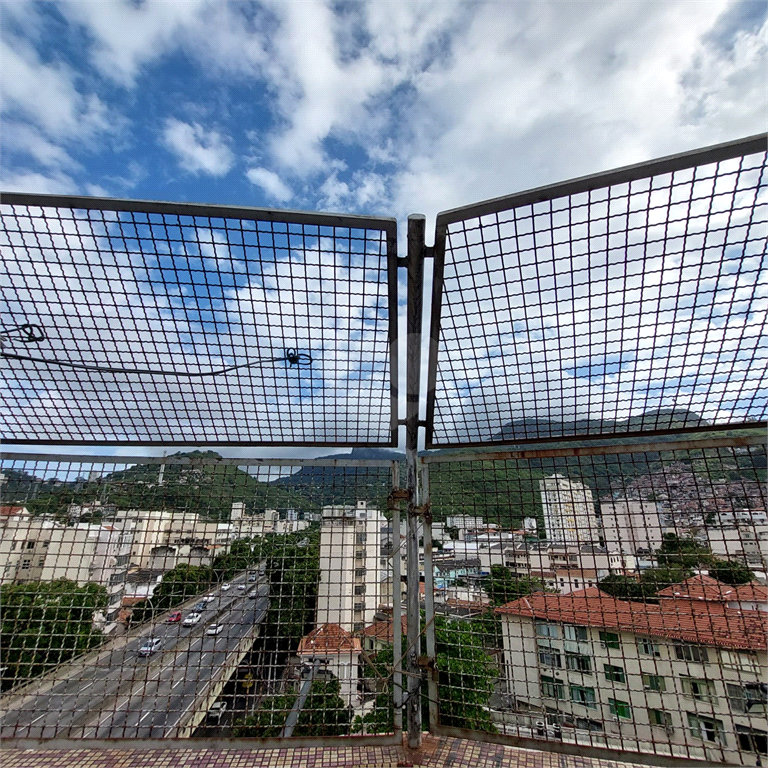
(217, 710)
(150, 645)
(174, 616)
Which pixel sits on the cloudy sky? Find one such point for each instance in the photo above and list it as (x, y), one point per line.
(369, 107)
(366, 107)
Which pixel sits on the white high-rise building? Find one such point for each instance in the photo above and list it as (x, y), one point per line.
(349, 590)
(569, 511)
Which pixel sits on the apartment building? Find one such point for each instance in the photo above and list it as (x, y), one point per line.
(685, 677)
(350, 580)
(569, 511)
(631, 526)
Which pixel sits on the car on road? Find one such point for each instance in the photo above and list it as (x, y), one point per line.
(191, 619)
(241, 586)
(254, 593)
(174, 616)
(209, 597)
(217, 710)
(252, 577)
(149, 646)
(201, 606)
(214, 629)
(225, 587)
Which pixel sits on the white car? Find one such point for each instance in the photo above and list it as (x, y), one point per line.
(191, 619)
(225, 587)
(150, 645)
(214, 629)
(209, 597)
(217, 710)
(241, 586)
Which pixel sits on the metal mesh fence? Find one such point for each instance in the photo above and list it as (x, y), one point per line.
(129, 322)
(615, 598)
(629, 302)
(194, 596)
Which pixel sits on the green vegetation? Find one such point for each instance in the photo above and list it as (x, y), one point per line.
(293, 568)
(730, 572)
(45, 624)
(645, 588)
(323, 714)
(465, 681)
(503, 586)
(682, 552)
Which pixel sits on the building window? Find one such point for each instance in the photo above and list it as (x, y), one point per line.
(647, 647)
(660, 718)
(620, 709)
(584, 724)
(548, 630)
(30, 545)
(584, 696)
(358, 625)
(359, 572)
(614, 673)
(744, 697)
(609, 640)
(46, 543)
(654, 683)
(752, 739)
(706, 729)
(25, 564)
(579, 662)
(360, 538)
(360, 589)
(692, 653)
(549, 657)
(701, 690)
(551, 688)
(41, 562)
(743, 661)
(574, 632)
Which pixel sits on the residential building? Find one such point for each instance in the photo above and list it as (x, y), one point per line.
(631, 526)
(350, 550)
(685, 677)
(569, 511)
(333, 650)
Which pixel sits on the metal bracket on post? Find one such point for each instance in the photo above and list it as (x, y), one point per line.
(416, 253)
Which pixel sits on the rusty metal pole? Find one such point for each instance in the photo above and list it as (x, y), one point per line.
(416, 253)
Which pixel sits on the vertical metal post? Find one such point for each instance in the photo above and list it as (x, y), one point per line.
(429, 600)
(416, 252)
(397, 606)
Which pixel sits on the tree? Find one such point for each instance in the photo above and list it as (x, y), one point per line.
(503, 586)
(731, 572)
(45, 624)
(677, 552)
(466, 674)
(324, 714)
(178, 585)
(645, 588)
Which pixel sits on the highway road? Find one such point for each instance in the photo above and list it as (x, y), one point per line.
(119, 694)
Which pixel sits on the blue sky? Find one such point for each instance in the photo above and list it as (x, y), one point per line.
(366, 107)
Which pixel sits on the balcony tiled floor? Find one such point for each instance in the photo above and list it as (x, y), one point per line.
(435, 753)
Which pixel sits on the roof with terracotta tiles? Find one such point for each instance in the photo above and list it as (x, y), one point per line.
(382, 630)
(10, 510)
(701, 587)
(328, 638)
(705, 623)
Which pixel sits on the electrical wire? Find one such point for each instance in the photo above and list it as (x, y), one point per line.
(291, 356)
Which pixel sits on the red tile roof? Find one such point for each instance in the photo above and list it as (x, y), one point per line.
(706, 588)
(8, 510)
(382, 630)
(328, 638)
(705, 623)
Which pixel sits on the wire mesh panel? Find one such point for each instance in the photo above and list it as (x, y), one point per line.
(625, 302)
(613, 599)
(133, 322)
(194, 596)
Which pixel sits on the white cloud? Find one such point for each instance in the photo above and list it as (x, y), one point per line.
(273, 186)
(198, 150)
(39, 183)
